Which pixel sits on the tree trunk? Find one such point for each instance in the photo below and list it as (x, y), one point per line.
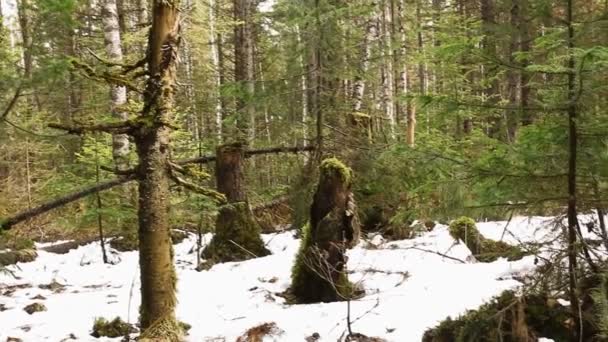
(490, 94)
(371, 34)
(404, 77)
(319, 273)
(387, 67)
(511, 114)
(237, 234)
(422, 77)
(118, 94)
(243, 67)
(303, 86)
(524, 79)
(214, 41)
(572, 156)
(158, 278)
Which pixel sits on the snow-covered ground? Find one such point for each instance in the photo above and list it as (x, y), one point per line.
(409, 288)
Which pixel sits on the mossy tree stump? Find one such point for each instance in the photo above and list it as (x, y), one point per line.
(319, 273)
(483, 249)
(237, 234)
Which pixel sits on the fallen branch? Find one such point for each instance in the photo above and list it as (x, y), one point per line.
(271, 204)
(129, 175)
(7, 224)
(250, 153)
(12, 102)
(113, 128)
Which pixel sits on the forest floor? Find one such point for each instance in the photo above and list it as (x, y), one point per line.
(410, 286)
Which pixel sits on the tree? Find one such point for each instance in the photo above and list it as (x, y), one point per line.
(319, 273)
(118, 94)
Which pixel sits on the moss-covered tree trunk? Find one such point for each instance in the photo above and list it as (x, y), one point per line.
(319, 273)
(237, 234)
(158, 279)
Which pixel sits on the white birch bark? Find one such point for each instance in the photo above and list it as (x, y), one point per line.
(304, 86)
(371, 33)
(215, 59)
(387, 69)
(118, 94)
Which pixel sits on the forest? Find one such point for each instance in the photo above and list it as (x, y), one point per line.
(304, 170)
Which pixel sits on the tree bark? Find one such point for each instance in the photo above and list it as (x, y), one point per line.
(404, 76)
(371, 33)
(237, 234)
(118, 94)
(511, 114)
(243, 67)
(214, 43)
(524, 79)
(319, 273)
(490, 94)
(388, 85)
(572, 156)
(158, 278)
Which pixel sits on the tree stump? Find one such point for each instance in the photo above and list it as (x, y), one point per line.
(319, 272)
(237, 234)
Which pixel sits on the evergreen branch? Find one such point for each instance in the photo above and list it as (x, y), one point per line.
(105, 76)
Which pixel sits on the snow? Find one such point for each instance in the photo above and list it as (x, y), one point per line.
(410, 286)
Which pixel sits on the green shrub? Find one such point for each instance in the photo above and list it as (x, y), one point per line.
(508, 318)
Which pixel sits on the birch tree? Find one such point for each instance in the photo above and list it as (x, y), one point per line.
(118, 94)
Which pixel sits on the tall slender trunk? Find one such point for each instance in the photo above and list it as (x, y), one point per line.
(387, 67)
(488, 44)
(314, 76)
(524, 79)
(118, 94)
(23, 9)
(422, 72)
(404, 76)
(371, 34)
(512, 87)
(572, 155)
(303, 86)
(192, 119)
(158, 278)
(214, 41)
(243, 67)
(467, 122)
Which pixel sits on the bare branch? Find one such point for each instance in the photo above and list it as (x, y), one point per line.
(124, 127)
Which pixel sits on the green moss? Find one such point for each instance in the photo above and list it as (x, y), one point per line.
(485, 250)
(464, 229)
(492, 250)
(115, 328)
(237, 235)
(307, 286)
(334, 165)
